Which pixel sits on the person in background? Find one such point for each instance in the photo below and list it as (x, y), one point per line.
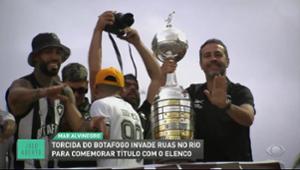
(297, 162)
(130, 92)
(75, 75)
(123, 121)
(7, 130)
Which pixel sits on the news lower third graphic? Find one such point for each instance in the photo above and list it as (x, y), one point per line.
(30, 149)
(79, 136)
(91, 146)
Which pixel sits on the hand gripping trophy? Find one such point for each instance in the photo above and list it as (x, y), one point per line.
(171, 115)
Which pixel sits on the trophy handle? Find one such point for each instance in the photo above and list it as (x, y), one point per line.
(169, 19)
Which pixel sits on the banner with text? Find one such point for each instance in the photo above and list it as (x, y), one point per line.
(91, 146)
(142, 149)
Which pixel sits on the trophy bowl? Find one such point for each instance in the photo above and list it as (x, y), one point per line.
(170, 43)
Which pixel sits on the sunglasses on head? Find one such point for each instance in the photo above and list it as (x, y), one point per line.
(80, 90)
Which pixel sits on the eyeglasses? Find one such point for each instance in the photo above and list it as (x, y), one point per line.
(80, 90)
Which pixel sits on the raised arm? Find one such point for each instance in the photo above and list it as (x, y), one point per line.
(149, 60)
(95, 51)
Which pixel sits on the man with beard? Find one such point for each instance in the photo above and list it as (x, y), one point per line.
(130, 92)
(224, 111)
(39, 101)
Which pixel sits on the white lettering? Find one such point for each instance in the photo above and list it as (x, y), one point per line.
(178, 153)
(66, 144)
(60, 153)
(165, 144)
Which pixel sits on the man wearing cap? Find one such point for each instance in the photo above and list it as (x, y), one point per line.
(123, 121)
(75, 76)
(130, 92)
(39, 101)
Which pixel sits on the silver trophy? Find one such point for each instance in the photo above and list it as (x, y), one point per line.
(171, 115)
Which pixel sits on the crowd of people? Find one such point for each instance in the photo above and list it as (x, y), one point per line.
(41, 104)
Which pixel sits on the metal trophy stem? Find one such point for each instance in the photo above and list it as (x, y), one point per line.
(171, 116)
(171, 79)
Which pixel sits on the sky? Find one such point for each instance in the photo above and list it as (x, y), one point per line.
(262, 37)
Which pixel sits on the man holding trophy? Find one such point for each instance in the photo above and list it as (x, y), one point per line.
(224, 111)
(171, 116)
(218, 111)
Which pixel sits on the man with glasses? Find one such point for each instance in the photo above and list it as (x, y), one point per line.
(75, 76)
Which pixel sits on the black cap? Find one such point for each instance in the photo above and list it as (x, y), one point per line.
(45, 40)
(74, 72)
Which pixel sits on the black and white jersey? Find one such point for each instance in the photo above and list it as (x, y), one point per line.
(39, 122)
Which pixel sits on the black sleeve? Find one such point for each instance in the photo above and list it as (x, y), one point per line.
(145, 108)
(194, 91)
(188, 89)
(191, 91)
(145, 111)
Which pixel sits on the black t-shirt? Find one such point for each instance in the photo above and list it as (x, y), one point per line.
(145, 111)
(224, 139)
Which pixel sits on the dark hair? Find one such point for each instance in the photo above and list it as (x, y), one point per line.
(213, 40)
(109, 88)
(130, 77)
(74, 72)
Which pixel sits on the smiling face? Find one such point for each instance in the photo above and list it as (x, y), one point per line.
(130, 92)
(213, 60)
(48, 60)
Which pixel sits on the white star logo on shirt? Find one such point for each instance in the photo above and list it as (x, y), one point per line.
(198, 104)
